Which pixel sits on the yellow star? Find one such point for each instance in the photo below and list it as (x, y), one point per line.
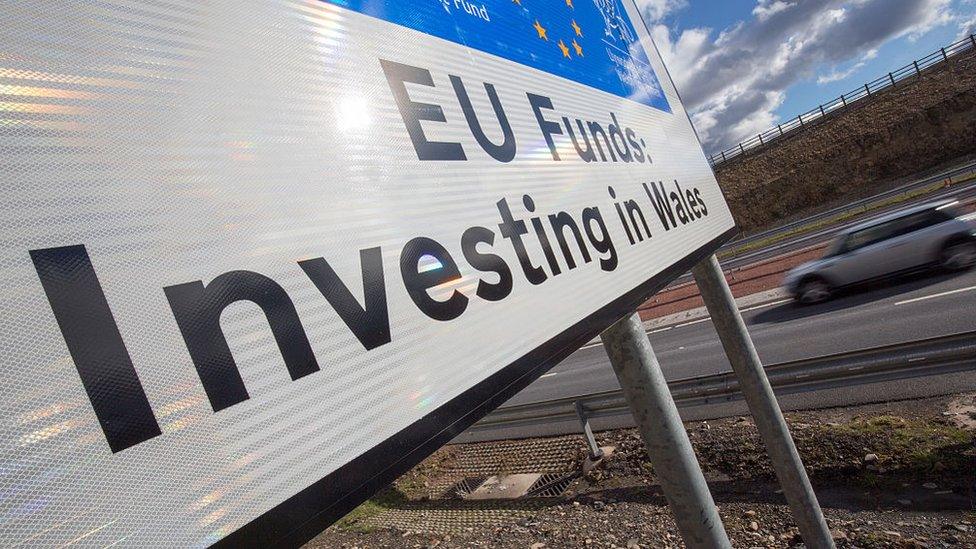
(564, 48)
(578, 48)
(541, 30)
(570, 4)
(579, 31)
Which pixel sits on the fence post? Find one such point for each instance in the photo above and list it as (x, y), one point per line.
(800, 118)
(867, 89)
(723, 156)
(741, 150)
(843, 100)
(917, 71)
(944, 56)
(780, 126)
(892, 78)
(972, 38)
(822, 113)
(761, 140)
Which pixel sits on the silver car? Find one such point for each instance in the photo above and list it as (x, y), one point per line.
(932, 235)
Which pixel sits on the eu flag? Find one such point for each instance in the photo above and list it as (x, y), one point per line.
(591, 42)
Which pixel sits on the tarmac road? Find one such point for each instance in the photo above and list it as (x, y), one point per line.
(904, 310)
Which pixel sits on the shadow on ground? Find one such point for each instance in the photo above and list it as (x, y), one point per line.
(853, 297)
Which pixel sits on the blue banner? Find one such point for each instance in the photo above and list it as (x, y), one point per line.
(591, 42)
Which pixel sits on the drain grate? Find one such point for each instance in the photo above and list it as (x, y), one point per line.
(551, 485)
(466, 485)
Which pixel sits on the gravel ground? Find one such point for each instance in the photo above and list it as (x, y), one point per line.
(887, 475)
(650, 524)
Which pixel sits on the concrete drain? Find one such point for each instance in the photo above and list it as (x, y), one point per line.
(551, 485)
(520, 485)
(463, 489)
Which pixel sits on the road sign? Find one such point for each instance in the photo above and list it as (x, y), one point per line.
(259, 258)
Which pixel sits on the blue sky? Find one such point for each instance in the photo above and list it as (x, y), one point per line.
(742, 66)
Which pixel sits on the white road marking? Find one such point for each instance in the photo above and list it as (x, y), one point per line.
(550, 374)
(764, 305)
(933, 296)
(693, 322)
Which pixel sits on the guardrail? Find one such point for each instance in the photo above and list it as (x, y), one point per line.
(933, 354)
(914, 70)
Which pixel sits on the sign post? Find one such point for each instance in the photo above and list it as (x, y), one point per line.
(665, 438)
(762, 403)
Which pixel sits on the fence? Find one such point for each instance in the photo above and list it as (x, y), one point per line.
(889, 80)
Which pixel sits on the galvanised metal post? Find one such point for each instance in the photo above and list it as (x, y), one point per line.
(762, 403)
(664, 435)
(595, 451)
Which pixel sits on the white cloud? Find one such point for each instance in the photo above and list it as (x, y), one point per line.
(837, 75)
(655, 10)
(733, 81)
(967, 27)
(767, 8)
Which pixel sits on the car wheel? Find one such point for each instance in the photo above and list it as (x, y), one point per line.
(958, 256)
(813, 290)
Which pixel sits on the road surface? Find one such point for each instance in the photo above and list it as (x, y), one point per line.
(906, 310)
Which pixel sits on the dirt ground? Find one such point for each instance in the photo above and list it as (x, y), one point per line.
(898, 474)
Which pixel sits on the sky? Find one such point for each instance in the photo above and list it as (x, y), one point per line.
(743, 66)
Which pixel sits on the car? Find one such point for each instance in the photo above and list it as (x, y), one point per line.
(926, 236)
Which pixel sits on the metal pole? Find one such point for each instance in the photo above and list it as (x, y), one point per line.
(595, 451)
(762, 403)
(664, 436)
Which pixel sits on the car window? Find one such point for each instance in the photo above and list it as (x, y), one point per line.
(921, 220)
(870, 235)
(890, 229)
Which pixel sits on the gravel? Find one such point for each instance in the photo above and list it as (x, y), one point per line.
(916, 490)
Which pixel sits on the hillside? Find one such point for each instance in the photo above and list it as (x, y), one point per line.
(921, 124)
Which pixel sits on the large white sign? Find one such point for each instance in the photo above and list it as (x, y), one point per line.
(260, 257)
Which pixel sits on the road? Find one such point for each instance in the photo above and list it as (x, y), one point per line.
(906, 310)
